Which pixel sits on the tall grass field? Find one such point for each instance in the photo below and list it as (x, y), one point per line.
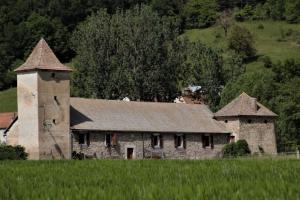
(151, 179)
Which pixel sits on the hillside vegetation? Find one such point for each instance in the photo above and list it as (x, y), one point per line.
(278, 39)
(8, 100)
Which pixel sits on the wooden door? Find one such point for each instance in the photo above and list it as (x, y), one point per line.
(129, 153)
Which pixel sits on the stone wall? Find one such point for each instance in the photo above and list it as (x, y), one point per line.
(259, 131)
(232, 124)
(193, 150)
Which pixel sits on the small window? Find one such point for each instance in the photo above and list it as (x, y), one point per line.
(53, 75)
(207, 141)
(179, 141)
(84, 138)
(110, 140)
(157, 140)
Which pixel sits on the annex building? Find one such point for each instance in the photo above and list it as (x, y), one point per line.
(51, 124)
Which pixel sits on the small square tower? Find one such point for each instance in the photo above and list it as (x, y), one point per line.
(44, 105)
(248, 119)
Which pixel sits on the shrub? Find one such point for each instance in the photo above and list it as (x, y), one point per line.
(267, 61)
(8, 152)
(242, 147)
(260, 26)
(20, 152)
(234, 149)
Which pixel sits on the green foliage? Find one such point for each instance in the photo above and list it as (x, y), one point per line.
(242, 147)
(242, 41)
(134, 53)
(266, 60)
(260, 26)
(239, 148)
(200, 13)
(151, 179)
(8, 152)
(20, 152)
(292, 12)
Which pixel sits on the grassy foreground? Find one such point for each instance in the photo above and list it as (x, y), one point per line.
(151, 179)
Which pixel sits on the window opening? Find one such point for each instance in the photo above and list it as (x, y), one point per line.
(82, 138)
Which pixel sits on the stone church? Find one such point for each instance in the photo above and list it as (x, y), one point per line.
(51, 124)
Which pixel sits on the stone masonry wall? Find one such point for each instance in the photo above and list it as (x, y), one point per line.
(193, 150)
(260, 131)
(232, 124)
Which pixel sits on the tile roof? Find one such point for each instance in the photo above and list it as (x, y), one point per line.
(6, 119)
(105, 115)
(241, 106)
(42, 57)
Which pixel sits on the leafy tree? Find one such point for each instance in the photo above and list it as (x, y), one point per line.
(200, 13)
(134, 53)
(212, 72)
(292, 12)
(242, 41)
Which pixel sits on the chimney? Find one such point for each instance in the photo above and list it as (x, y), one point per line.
(254, 104)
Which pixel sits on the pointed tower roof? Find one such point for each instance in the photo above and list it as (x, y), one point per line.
(244, 105)
(42, 57)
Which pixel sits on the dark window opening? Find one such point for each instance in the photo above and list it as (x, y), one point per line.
(156, 141)
(249, 121)
(53, 75)
(266, 121)
(81, 138)
(226, 121)
(108, 140)
(54, 121)
(206, 140)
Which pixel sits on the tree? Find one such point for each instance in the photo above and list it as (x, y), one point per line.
(242, 41)
(200, 13)
(225, 20)
(134, 53)
(292, 12)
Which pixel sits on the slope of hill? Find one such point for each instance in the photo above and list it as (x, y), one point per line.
(8, 100)
(278, 40)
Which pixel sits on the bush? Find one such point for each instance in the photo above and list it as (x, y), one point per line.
(242, 147)
(20, 152)
(267, 61)
(8, 152)
(234, 149)
(260, 26)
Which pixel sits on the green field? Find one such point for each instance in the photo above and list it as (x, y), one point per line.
(151, 179)
(267, 40)
(8, 100)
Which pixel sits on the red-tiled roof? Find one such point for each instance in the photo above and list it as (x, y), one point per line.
(42, 57)
(6, 119)
(241, 106)
(190, 100)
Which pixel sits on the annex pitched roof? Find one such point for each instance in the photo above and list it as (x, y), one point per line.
(6, 119)
(105, 115)
(42, 57)
(241, 106)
